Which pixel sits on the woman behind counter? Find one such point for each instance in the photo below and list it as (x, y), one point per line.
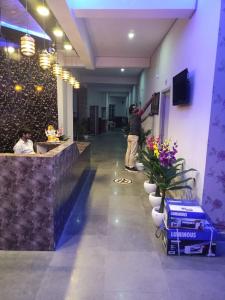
(24, 145)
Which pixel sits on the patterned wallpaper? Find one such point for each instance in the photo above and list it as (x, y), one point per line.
(27, 108)
(214, 184)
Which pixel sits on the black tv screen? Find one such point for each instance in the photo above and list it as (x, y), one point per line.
(181, 88)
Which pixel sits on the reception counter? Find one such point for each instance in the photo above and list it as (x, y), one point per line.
(38, 192)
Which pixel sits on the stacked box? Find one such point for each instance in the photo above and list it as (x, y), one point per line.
(190, 241)
(185, 214)
(187, 229)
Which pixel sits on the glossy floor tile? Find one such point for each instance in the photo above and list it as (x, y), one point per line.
(108, 250)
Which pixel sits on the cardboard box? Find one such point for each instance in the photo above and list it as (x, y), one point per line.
(184, 214)
(189, 247)
(190, 241)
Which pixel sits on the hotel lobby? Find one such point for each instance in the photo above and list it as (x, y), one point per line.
(75, 222)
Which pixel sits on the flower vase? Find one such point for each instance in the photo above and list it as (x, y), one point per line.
(149, 187)
(157, 217)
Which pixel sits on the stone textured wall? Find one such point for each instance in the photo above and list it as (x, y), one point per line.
(214, 184)
(27, 108)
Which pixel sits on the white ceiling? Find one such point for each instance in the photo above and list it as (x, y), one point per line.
(98, 32)
(109, 72)
(109, 37)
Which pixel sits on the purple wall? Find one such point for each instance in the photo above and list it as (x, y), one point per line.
(214, 183)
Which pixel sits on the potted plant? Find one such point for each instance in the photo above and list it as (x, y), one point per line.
(147, 157)
(82, 129)
(168, 175)
(142, 143)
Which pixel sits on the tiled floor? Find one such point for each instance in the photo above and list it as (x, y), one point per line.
(108, 250)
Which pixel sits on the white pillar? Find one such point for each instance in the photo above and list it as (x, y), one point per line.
(69, 113)
(134, 94)
(65, 107)
(61, 96)
(107, 106)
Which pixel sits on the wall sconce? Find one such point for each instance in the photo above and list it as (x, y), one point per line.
(18, 88)
(39, 88)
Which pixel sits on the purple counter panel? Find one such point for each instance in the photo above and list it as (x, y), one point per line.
(37, 193)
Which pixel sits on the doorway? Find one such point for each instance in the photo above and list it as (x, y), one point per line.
(164, 114)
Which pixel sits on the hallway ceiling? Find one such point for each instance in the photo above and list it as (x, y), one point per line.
(109, 36)
(98, 31)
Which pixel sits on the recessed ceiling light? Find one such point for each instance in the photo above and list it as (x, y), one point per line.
(122, 69)
(131, 35)
(58, 32)
(68, 47)
(43, 10)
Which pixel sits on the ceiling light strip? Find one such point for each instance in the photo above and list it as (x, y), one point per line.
(25, 30)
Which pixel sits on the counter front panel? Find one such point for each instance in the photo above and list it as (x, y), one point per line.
(37, 195)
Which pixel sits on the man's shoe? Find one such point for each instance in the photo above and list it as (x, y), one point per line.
(127, 168)
(132, 169)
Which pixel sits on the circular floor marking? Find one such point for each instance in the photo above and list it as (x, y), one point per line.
(122, 180)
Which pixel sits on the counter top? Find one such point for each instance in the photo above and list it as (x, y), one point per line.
(60, 146)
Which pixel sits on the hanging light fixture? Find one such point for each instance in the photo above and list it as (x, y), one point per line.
(27, 45)
(44, 60)
(27, 42)
(72, 80)
(57, 69)
(65, 75)
(77, 85)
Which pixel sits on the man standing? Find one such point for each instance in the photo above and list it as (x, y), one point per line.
(24, 145)
(133, 136)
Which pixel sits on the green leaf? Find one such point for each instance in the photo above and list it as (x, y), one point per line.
(182, 173)
(180, 187)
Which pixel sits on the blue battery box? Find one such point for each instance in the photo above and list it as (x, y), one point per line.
(184, 214)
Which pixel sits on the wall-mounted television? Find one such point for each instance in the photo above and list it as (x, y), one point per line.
(155, 104)
(181, 88)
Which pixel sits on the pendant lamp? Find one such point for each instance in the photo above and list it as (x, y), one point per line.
(77, 85)
(57, 69)
(27, 45)
(65, 75)
(72, 80)
(44, 60)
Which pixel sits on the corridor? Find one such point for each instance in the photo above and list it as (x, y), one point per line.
(108, 250)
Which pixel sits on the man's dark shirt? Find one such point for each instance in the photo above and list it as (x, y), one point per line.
(135, 124)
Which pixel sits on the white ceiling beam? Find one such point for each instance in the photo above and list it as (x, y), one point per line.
(111, 89)
(135, 14)
(75, 30)
(134, 9)
(109, 80)
(118, 95)
(122, 62)
(69, 60)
